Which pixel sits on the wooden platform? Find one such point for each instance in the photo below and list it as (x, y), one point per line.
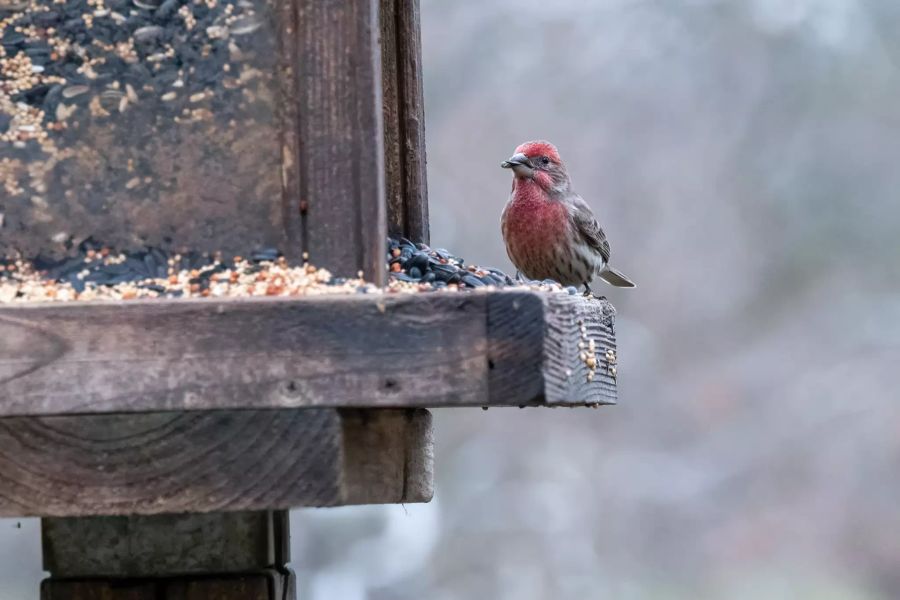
(147, 407)
(423, 350)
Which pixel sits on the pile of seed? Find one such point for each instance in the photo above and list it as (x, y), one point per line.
(417, 263)
(99, 274)
(95, 272)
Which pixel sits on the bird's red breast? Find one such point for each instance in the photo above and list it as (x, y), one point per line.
(533, 224)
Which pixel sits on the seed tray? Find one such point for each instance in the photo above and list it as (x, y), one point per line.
(94, 272)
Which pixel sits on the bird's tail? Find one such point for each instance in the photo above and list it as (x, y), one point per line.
(615, 278)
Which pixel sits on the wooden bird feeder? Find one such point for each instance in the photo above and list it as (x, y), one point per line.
(162, 441)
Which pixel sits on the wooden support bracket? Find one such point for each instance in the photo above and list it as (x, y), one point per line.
(212, 461)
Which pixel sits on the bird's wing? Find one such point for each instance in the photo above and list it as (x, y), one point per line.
(588, 228)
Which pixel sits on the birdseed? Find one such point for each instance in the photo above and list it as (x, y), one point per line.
(95, 272)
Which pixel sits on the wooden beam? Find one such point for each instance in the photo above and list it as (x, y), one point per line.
(341, 136)
(212, 461)
(404, 118)
(165, 545)
(264, 585)
(442, 349)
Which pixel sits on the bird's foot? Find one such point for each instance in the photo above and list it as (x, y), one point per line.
(588, 293)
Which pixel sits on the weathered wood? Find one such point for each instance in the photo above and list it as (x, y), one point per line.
(289, 118)
(475, 349)
(165, 545)
(263, 585)
(106, 589)
(341, 136)
(405, 455)
(404, 118)
(572, 325)
(211, 461)
(568, 368)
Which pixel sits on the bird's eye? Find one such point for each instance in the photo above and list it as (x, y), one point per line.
(545, 160)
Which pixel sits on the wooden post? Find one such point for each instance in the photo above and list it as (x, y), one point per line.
(341, 137)
(178, 544)
(404, 118)
(226, 556)
(360, 149)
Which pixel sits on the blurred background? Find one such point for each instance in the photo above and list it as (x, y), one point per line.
(743, 158)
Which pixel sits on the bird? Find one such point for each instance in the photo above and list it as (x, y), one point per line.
(549, 230)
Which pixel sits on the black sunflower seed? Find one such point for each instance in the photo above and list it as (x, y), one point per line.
(265, 254)
(418, 260)
(46, 19)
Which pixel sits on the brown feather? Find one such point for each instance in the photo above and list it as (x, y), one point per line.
(588, 228)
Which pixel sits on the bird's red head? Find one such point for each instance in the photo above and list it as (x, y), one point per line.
(539, 161)
(538, 149)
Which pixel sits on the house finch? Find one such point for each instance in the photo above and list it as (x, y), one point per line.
(549, 230)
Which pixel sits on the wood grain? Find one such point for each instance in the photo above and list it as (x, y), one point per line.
(571, 324)
(189, 355)
(104, 590)
(164, 545)
(262, 585)
(558, 374)
(208, 461)
(341, 136)
(288, 113)
(405, 454)
(404, 118)
(423, 350)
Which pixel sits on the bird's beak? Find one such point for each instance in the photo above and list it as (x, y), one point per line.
(520, 165)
